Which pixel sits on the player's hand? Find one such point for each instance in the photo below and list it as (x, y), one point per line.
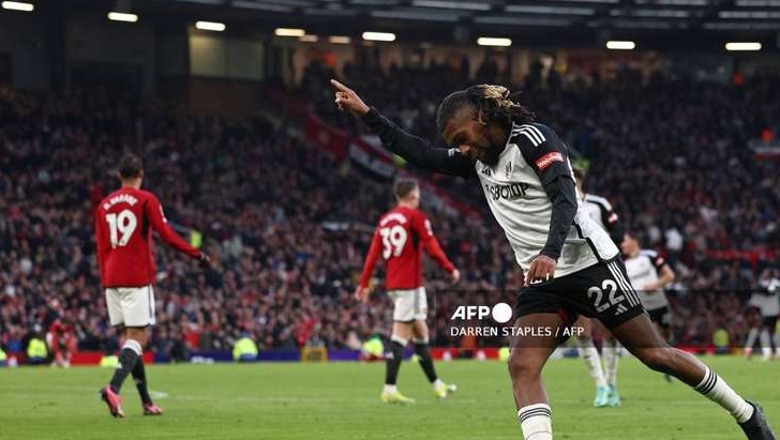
(455, 275)
(348, 100)
(361, 294)
(649, 288)
(542, 270)
(204, 261)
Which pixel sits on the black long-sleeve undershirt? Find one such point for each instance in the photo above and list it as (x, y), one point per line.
(416, 150)
(564, 207)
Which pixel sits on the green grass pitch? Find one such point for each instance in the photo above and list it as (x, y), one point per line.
(341, 401)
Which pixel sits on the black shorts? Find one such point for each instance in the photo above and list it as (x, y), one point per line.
(769, 321)
(661, 316)
(600, 291)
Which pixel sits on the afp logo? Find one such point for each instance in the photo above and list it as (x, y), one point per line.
(501, 312)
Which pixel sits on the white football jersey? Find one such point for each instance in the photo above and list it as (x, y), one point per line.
(515, 193)
(532, 160)
(595, 207)
(768, 301)
(643, 270)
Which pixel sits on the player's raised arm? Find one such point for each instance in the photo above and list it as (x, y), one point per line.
(160, 224)
(412, 148)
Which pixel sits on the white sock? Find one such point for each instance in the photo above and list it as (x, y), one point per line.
(437, 383)
(766, 344)
(134, 345)
(776, 338)
(536, 421)
(390, 389)
(611, 360)
(590, 355)
(751, 339)
(717, 390)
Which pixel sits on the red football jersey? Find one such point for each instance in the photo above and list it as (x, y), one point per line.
(123, 229)
(61, 336)
(398, 238)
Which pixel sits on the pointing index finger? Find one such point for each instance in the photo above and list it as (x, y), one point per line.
(339, 86)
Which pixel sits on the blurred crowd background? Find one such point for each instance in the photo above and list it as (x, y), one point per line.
(288, 226)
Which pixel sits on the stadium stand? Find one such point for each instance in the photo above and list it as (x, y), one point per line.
(287, 224)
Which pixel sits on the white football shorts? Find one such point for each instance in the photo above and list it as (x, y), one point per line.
(410, 304)
(131, 306)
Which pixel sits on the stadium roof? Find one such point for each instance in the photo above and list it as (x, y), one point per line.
(540, 23)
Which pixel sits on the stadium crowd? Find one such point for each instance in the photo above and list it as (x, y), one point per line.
(287, 226)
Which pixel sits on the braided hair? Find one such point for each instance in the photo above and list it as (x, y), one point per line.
(493, 104)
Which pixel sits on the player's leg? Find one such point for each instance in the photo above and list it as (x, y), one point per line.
(752, 336)
(136, 307)
(141, 384)
(58, 362)
(775, 337)
(610, 351)
(765, 337)
(640, 337)
(590, 355)
(129, 355)
(421, 336)
(664, 328)
(776, 341)
(116, 318)
(530, 351)
(402, 332)
(139, 370)
(420, 333)
(406, 306)
(662, 319)
(70, 347)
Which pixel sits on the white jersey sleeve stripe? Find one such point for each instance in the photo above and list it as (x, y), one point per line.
(538, 132)
(528, 132)
(535, 133)
(530, 136)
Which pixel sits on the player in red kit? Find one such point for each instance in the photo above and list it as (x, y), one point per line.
(62, 340)
(123, 229)
(399, 238)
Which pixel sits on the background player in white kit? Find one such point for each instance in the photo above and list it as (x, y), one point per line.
(399, 237)
(600, 211)
(649, 273)
(767, 303)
